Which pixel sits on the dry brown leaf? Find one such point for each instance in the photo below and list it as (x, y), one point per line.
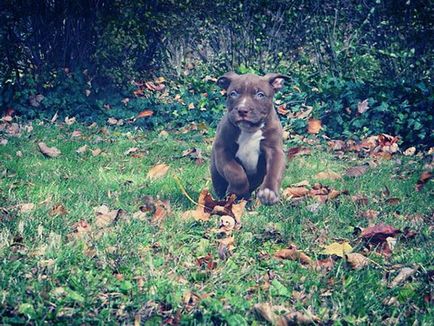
(227, 223)
(48, 151)
(79, 230)
(197, 214)
(356, 260)
(370, 214)
(145, 114)
(105, 216)
(70, 121)
(294, 254)
(76, 133)
(112, 121)
(379, 233)
(313, 126)
(423, 179)
(265, 311)
(297, 151)
(161, 212)
(303, 183)
(360, 199)
(238, 210)
(363, 106)
(131, 150)
(300, 318)
(330, 175)
(291, 192)
(54, 118)
(27, 207)
(403, 275)
(356, 171)
(158, 171)
(410, 151)
(58, 209)
(96, 152)
(81, 149)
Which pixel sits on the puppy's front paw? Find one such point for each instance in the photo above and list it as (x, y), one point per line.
(268, 196)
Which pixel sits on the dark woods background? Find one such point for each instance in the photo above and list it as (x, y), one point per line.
(90, 59)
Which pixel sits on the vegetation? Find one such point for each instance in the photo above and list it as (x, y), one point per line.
(82, 57)
(65, 258)
(108, 111)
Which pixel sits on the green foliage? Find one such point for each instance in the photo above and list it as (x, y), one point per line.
(338, 53)
(48, 274)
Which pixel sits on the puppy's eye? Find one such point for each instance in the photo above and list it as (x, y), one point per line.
(234, 94)
(260, 95)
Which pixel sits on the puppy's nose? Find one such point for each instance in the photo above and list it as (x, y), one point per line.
(242, 111)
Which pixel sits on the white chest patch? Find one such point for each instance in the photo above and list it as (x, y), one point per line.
(248, 150)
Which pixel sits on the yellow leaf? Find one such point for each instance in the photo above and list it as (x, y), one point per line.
(313, 126)
(338, 249)
(328, 175)
(158, 171)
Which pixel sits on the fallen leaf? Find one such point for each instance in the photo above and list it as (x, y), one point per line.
(330, 175)
(112, 121)
(206, 262)
(379, 233)
(360, 199)
(58, 209)
(79, 230)
(81, 149)
(227, 223)
(404, 274)
(265, 312)
(96, 152)
(313, 126)
(54, 118)
(423, 179)
(76, 133)
(297, 151)
(105, 216)
(144, 114)
(290, 192)
(392, 201)
(48, 151)
(410, 151)
(161, 211)
(363, 106)
(197, 214)
(70, 121)
(370, 214)
(300, 318)
(25, 208)
(158, 171)
(336, 248)
(293, 253)
(324, 265)
(356, 171)
(131, 150)
(356, 260)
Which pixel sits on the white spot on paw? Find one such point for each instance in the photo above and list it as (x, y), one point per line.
(268, 196)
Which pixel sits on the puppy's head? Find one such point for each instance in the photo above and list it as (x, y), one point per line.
(250, 97)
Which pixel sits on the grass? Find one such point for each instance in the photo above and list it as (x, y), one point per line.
(136, 271)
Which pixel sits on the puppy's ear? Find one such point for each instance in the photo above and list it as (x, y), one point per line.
(225, 80)
(276, 80)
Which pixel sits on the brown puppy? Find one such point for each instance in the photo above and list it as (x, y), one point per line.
(247, 152)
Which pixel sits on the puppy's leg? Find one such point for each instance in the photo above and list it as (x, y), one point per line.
(219, 183)
(237, 179)
(275, 166)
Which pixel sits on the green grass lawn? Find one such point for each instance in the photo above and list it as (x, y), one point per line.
(137, 271)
